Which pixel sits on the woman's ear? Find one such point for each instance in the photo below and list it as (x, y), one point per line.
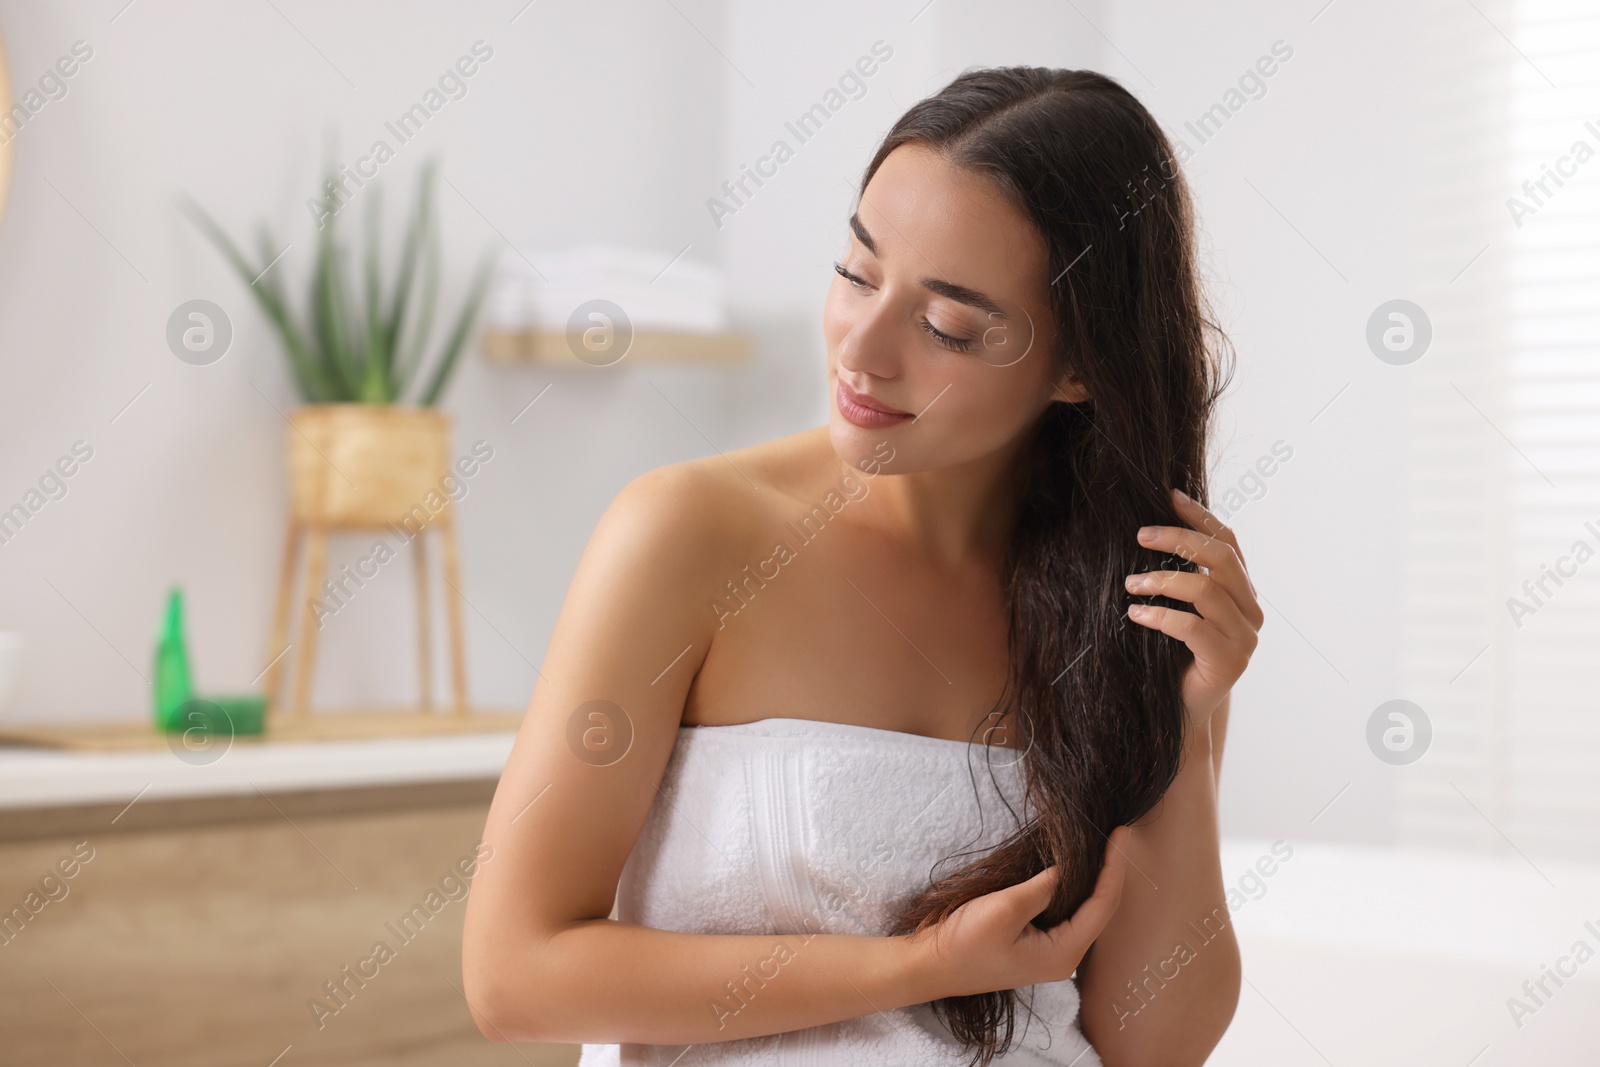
(1070, 387)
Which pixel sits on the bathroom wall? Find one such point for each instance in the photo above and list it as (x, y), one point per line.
(586, 122)
(620, 121)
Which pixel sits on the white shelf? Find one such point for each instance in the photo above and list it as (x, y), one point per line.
(648, 346)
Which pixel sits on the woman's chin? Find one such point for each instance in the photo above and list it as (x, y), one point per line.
(853, 443)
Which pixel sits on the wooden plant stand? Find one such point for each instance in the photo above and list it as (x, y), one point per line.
(359, 468)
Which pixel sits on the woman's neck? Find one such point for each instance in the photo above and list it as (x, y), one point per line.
(957, 515)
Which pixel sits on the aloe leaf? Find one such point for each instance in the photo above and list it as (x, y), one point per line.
(330, 313)
(380, 355)
(422, 326)
(314, 385)
(266, 294)
(327, 342)
(416, 233)
(463, 325)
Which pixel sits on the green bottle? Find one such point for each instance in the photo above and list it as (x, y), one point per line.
(173, 687)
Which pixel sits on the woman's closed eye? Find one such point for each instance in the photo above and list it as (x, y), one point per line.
(955, 344)
(854, 281)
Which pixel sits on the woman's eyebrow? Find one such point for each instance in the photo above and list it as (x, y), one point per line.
(962, 295)
(950, 290)
(861, 233)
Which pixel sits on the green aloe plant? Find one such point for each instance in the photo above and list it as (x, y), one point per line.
(367, 351)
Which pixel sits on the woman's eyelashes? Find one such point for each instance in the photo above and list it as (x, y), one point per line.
(955, 344)
(851, 278)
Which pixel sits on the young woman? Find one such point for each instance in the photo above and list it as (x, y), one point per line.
(896, 741)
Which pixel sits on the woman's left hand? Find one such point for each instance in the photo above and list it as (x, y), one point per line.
(1223, 635)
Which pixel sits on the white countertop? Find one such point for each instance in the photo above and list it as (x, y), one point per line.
(38, 777)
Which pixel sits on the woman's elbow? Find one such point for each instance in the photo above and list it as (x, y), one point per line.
(502, 1006)
(485, 1027)
(486, 1000)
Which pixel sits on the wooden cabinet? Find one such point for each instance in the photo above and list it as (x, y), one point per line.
(202, 931)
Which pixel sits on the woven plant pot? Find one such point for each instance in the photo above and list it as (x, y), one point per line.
(367, 464)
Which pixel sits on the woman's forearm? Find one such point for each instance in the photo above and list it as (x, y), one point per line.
(604, 981)
(1161, 983)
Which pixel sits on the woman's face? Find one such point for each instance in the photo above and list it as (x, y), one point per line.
(938, 327)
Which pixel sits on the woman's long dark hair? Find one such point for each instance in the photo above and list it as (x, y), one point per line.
(1094, 696)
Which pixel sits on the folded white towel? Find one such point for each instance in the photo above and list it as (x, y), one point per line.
(784, 826)
(539, 290)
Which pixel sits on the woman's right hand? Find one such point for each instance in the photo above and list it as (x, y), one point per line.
(990, 942)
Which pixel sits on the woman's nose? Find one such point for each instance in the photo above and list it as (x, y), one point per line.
(870, 345)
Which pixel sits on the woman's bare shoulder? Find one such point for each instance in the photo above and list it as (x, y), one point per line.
(710, 511)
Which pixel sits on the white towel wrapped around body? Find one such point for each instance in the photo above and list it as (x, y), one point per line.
(790, 826)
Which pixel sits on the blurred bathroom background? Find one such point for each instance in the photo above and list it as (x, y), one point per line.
(1400, 224)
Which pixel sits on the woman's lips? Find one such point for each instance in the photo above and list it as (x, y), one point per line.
(861, 410)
